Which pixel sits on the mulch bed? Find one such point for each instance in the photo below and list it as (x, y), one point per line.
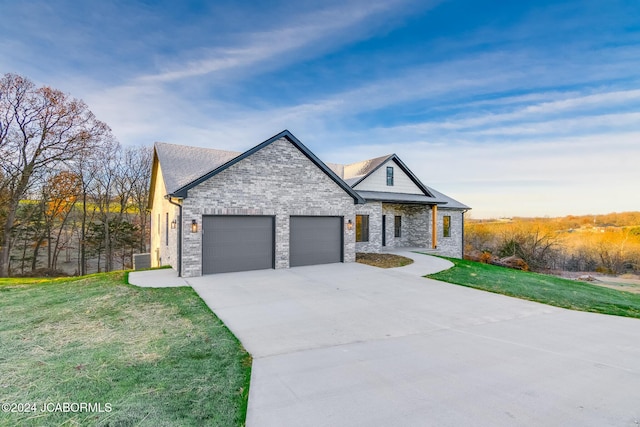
(383, 260)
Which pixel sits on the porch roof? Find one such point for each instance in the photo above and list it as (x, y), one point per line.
(438, 199)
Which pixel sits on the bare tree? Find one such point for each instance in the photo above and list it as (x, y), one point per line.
(139, 176)
(39, 128)
(104, 192)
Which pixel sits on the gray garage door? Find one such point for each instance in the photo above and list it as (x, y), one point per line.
(236, 243)
(315, 240)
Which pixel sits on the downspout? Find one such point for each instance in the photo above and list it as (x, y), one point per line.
(179, 239)
(463, 212)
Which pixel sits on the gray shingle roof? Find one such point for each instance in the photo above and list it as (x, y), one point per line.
(439, 199)
(184, 167)
(182, 164)
(451, 203)
(365, 167)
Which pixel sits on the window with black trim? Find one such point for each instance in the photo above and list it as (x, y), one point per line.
(446, 226)
(390, 175)
(397, 226)
(166, 230)
(362, 228)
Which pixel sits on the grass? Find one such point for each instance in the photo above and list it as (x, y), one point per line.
(383, 260)
(542, 288)
(158, 357)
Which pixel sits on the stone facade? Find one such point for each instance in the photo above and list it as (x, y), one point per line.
(416, 228)
(450, 246)
(277, 180)
(374, 211)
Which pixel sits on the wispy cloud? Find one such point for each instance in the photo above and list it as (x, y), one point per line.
(524, 108)
(336, 25)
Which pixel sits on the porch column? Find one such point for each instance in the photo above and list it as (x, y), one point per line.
(434, 226)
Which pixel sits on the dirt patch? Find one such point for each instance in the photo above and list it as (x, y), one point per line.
(383, 260)
(624, 282)
(620, 283)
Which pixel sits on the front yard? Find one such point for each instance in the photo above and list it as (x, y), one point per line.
(139, 356)
(542, 288)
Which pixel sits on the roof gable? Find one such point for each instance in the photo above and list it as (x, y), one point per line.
(181, 192)
(356, 173)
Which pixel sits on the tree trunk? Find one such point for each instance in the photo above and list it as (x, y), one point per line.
(6, 230)
(83, 253)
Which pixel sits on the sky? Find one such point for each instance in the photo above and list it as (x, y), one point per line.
(515, 108)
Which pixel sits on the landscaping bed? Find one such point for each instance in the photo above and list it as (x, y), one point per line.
(383, 260)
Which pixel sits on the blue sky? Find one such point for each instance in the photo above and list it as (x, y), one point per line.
(512, 107)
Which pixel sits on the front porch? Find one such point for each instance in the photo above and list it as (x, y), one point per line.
(389, 225)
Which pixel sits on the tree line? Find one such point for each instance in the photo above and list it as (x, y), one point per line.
(68, 189)
(602, 243)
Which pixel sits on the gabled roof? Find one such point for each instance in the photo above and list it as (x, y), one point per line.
(182, 164)
(355, 173)
(365, 167)
(221, 160)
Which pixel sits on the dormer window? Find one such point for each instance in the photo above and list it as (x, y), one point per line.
(390, 175)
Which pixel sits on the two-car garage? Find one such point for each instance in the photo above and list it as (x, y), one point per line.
(247, 242)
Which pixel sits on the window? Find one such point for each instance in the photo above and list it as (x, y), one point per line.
(159, 227)
(390, 175)
(362, 228)
(446, 226)
(166, 230)
(397, 226)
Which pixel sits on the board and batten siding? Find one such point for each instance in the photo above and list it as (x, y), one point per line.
(377, 181)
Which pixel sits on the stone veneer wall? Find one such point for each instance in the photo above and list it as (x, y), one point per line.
(449, 246)
(414, 227)
(374, 210)
(277, 180)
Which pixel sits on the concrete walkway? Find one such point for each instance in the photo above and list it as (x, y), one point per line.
(422, 265)
(161, 278)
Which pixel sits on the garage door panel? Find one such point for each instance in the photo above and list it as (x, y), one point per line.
(315, 240)
(237, 243)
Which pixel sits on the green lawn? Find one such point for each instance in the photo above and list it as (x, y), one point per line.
(542, 288)
(157, 357)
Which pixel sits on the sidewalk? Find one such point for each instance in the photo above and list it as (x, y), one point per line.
(422, 264)
(160, 278)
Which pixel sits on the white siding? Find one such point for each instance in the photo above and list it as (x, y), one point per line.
(161, 252)
(377, 181)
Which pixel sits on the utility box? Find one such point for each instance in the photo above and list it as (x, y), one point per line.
(141, 261)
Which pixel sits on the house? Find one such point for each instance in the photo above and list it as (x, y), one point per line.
(277, 206)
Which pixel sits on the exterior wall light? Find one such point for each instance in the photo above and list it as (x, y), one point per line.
(173, 224)
(194, 226)
(349, 225)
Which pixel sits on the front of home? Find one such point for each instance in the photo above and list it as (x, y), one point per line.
(278, 206)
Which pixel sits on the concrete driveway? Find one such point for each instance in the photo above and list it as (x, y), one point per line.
(353, 345)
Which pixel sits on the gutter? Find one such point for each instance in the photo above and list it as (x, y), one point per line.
(463, 212)
(179, 239)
